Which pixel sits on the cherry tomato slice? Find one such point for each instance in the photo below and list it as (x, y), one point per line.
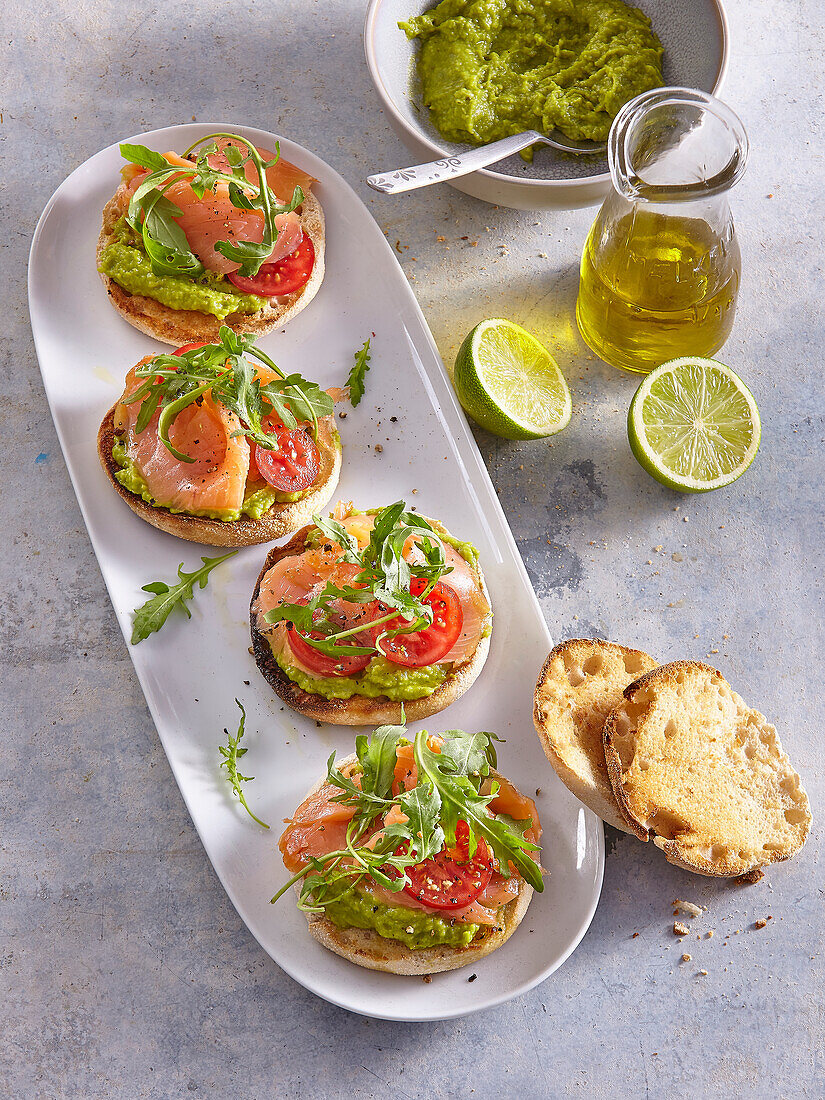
(431, 644)
(294, 463)
(189, 347)
(283, 277)
(322, 665)
(451, 880)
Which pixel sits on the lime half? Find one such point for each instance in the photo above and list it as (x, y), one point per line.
(693, 425)
(509, 383)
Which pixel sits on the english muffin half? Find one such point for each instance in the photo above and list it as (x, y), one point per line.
(581, 681)
(702, 774)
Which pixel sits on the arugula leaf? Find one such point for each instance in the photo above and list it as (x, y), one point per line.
(377, 758)
(460, 798)
(150, 616)
(385, 576)
(164, 240)
(252, 254)
(145, 158)
(231, 753)
(173, 382)
(355, 378)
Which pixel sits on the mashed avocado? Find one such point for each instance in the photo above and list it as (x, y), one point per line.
(412, 927)
(124, 261)
(255, 504)
(380, 677)
(490, 68)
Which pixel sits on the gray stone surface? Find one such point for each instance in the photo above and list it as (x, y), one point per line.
(124, 970)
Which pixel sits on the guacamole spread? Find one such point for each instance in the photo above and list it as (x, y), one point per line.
(255, 503)
(124, 261)
(412, 927)
(380, 677)
(490, 68)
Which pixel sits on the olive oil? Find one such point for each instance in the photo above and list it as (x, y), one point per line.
(654, 287)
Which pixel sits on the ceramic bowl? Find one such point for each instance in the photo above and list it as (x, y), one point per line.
(694, 34)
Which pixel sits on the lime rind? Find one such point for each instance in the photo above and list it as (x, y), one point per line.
(694, 425)
(510, 384)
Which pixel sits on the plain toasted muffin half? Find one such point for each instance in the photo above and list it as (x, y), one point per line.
(367, 948)
(185, 326)
(275, 523)
(581, 681)
(358, 710)
(703, 774)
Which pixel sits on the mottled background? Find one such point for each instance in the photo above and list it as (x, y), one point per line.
(124, 970)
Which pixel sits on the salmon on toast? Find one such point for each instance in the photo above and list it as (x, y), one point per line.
(216, 448)
(363, 617)
(224, 234)
(414, 855)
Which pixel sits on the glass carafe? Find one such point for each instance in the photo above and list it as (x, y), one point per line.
(661, 266)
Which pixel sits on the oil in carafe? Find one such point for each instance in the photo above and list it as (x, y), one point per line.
(654, 287)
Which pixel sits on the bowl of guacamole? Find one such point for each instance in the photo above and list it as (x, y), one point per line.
(455, 74)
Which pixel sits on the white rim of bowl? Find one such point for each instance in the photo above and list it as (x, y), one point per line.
(501, 177)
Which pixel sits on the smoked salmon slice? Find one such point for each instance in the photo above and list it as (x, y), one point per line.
(213, 218)
(215, 481)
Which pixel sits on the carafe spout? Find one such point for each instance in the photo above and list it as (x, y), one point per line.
(676, 145)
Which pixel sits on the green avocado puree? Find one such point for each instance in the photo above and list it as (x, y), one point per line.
(490, 68)
(412, 927)
(380, 677)
(255, 504)
(124, 261)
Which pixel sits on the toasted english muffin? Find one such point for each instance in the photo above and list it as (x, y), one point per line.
(358, 710)
(702, 774)
(580, 683)
(278, 521)
(367, 948)
(185, 326)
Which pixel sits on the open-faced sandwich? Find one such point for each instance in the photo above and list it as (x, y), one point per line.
(208, 446)
(414, 855)
(366, 615)
(224, 234)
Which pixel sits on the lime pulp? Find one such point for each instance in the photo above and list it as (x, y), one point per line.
(694, 425)
(509, 383)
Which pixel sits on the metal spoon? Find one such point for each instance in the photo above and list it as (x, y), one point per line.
(447, 168)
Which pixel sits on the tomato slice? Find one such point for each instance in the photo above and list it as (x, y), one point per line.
(283, 277)
(451, 879)
(435, 641)
(294, 463)
(322, 665)
(189, 347)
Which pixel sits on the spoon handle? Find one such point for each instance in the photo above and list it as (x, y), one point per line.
(437, 171)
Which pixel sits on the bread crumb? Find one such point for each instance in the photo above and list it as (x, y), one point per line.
(760, 923)
(704, 973)
(680, 929)
(709, 935)
(688, 907)
(751, 877)
(635, 934)
(427, 979)
(686, 958)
